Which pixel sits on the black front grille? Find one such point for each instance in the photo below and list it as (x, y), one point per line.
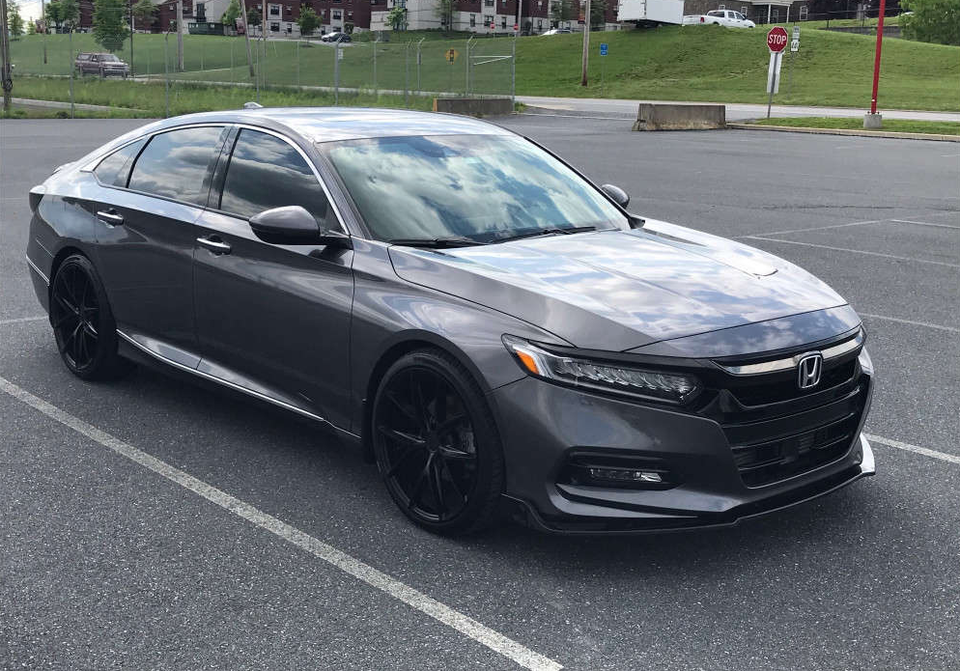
(777, 431)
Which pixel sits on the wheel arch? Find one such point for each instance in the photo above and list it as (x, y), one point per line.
(399, 345)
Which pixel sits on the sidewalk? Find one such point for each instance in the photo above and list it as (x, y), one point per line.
(618, 108)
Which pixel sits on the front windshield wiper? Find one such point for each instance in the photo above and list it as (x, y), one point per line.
(557, 230)
(446, 242)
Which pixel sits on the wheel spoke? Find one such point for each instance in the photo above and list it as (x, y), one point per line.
(64, 319)
(453, 481)
(64, 303)
(416, 393)
(402, 460)
(451, 422)
(421, 479)
(452, 453)
(437, 486)
(401, 436)
(405, 409)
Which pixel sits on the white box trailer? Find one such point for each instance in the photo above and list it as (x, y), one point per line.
(651, 11)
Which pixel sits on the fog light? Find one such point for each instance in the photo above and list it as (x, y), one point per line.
(624, 475)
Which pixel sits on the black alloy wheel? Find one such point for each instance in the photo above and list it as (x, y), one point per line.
(436, 445)
(82, 322)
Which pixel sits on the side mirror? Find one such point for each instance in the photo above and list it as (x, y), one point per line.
(619, 196)
(293, 225)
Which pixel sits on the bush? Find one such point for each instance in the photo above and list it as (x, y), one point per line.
(931, 21)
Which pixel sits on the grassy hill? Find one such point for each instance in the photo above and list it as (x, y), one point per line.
(695, 63)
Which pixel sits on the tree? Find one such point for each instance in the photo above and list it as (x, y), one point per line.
(598, 13)
(397, 18)
(445, 13)
(230, 16)
(253, 17)
(931, 21)
(144, 12)
(31, 27)
(308, 21)
(14, 20)
(54, 14)
(562, 10)
(110, 28)
(70, 13)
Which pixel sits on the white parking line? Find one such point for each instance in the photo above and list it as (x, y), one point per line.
(853, 251)
(817, 228)
(943, 456)
(22, 320)
(928, 325)
(925, 223)
(468, 626)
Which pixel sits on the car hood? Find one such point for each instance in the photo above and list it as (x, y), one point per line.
(618, 290)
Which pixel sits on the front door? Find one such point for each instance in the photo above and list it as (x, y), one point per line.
(273, 318)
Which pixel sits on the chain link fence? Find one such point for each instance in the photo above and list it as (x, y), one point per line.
(218, 71)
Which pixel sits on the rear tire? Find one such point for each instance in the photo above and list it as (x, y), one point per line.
(436, 444)
(83, 324)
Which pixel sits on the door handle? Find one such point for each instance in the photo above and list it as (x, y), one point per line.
(110, 216)
(215, 244)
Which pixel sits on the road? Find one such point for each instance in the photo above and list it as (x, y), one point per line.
(222, 554)
(735, 111)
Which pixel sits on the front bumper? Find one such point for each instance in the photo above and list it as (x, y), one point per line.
(542, 424)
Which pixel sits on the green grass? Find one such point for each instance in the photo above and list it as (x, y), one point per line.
(895, 125)
(694, 63)
(148, 99)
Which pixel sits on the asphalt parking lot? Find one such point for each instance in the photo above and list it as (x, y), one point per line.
(259, 541)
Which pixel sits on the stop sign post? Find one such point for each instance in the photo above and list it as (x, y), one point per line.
(777, 40)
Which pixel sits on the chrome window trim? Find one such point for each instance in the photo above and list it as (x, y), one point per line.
(316, 173)
(34, 268)
(791, 362)
(231, 385)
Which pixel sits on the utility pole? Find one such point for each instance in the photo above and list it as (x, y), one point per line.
(5, 77)
(179, 35)
(43, 17)
(131, 38)
(263, 42)
(246, 35)
(586, 42)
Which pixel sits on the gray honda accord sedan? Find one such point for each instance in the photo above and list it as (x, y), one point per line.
(498, 333)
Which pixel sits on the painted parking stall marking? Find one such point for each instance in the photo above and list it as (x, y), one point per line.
(444, 614)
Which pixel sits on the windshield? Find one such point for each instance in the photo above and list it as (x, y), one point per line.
(109, 58)
(479, 187)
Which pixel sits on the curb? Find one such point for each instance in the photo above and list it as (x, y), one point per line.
(61, 105)
(848, 131)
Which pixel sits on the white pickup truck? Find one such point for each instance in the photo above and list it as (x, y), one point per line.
(721, 17)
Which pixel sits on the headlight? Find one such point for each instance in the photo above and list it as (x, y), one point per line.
(602, 376)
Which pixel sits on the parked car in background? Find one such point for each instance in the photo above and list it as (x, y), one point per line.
(104, 65)
(720, 17)
(557, 31)
(335, 37)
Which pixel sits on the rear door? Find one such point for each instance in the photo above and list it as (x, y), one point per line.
(146, 234)
(273, 318)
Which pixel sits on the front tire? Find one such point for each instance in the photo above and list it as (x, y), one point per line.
(436, 444)
(83, 323)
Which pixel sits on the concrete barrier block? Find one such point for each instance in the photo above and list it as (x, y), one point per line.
(680, 116)
(477, 107)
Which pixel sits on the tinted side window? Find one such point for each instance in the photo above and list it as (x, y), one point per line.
(175, 164)
(115, 168)
(266, 172)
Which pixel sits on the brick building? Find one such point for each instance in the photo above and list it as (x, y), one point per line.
(758, 11)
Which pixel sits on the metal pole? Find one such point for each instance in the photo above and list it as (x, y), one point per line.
(72, 71)
(298, 63)
(469, 45)
(513, 68)
(166, 72)
(246, 37)
(132, 27)
(773, 81)
(43, 17)
(336, 72)
(406, 78)
(876, 60)
(375, 90)
(6, 78)
(179, 35)
(232, 72)
(586, 44)
(258, 71)
(263, 42)
(790, 73)
(419, 58)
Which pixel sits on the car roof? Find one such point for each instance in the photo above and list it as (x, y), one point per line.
(327, 124)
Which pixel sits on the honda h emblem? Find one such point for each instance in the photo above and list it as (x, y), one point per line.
(809, 368)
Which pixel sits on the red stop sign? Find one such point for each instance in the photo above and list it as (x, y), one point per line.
(777, 39)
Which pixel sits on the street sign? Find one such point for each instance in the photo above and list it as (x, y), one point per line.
(795, 42)
(516, 27)
(451, 55)
(603, 48)
(777, 39)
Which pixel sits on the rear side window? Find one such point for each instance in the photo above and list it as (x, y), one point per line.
(175, 164)
(267, 172)
(115, 168)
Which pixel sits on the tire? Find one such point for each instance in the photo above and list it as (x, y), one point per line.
(442, 438)
(83, 324)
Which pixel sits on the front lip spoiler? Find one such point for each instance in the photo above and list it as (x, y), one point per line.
(596, 526)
